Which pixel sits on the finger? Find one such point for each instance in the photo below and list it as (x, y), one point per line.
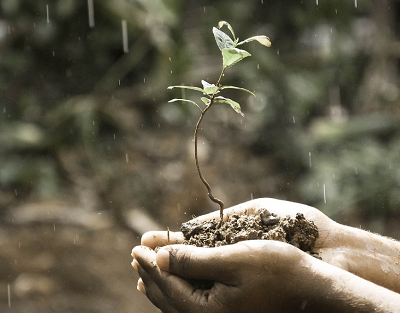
(146, 259)
(140, 286)
(153, 239)
(168, 292)
(214, 264)
(154, 293)
(135, 264)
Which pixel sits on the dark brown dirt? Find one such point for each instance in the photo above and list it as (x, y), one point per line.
(297, 231)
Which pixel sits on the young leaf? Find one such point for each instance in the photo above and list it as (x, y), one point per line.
(232, 56)
(209, 89)
(188, 87)
(239, 88)
(222, 39)
(206, 101)
(186, 100)
(264, 40)
(233, 104)
(222, 23)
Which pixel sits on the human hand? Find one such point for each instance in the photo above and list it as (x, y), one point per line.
(338, 245)
(326, 245)
(270, 275)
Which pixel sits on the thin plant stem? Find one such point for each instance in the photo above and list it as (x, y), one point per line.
(210, 195)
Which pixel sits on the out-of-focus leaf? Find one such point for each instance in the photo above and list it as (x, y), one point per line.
(233, 55)
(19, 135)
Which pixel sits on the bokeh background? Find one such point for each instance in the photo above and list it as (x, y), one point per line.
(92, 154)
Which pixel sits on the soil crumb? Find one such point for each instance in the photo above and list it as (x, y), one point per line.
(297, 231)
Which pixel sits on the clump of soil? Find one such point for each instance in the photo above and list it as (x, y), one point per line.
(297, 231)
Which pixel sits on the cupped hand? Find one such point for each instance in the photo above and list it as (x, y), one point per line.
(330, 240)
(250, 276)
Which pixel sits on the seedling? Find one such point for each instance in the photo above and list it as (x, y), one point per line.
(230, 56)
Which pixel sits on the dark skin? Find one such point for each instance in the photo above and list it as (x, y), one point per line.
(269, 276)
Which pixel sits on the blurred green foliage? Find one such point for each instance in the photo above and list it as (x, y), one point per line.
(327, 93)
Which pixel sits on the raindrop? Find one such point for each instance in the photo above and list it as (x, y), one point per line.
(294, 120)
(169, 59)
(144, 80)
(309, 158)
(125, 36)
(258, 66)
(119, 82)
(126, 158)
(54, 54)
(47, 12)
(54, 226)
(9, 295)
(262, 1)
(114, 136)
(316, 1)
(355, 3)
(324, 194)
(16, 192)
(251, 196)
(91, 13)
(204, 9)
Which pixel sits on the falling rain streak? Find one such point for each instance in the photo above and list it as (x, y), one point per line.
(9, 295)
(324, 194)
(309, 158)
(125, 36)
(91, 13)
(47, 12)
(355, 3)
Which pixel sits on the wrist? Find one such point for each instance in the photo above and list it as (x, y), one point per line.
(370, 256)
(329, 288)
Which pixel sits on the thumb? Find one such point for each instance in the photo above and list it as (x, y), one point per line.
(189, 262)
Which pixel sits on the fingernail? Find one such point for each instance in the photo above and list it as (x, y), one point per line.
(135, 264)
(141, 287)
(162, 258)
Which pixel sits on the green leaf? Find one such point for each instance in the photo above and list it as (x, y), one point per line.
(239, 88)
(264, 40)
(234, 105)
(186, 100)
(222, 39)
(209, 89)
(206, 101)
(222, 23)
(188, 87)
(233, 55)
